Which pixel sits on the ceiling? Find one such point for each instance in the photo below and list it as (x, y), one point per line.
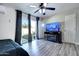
(25, 7)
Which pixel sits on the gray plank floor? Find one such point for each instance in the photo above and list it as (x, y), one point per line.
(47, 48)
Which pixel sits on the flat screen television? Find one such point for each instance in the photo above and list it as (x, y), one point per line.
(56, 26)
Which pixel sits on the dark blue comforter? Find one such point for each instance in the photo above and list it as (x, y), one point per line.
(11, 48)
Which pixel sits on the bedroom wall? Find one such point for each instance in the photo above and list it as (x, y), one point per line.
(7, 23)
(61, 18)
(56, 18)
(41, 30)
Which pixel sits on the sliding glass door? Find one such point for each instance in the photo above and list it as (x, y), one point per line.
(28, 32)
(26, 27)
(24, 32)
(33, 29)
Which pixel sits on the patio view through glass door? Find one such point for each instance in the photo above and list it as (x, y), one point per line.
(24, 32)
(25, 29)
(33, 29)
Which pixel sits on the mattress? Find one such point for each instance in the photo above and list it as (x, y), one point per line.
(11, 48)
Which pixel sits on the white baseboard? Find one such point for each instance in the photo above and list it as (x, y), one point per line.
(76, 43)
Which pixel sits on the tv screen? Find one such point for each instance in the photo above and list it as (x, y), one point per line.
(53, 27)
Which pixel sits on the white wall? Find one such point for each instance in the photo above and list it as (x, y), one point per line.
(41, 29)
(7, 23)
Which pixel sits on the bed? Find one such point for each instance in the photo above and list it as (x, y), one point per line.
(11, 48)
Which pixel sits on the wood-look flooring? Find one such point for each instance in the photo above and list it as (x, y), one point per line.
(47, 48)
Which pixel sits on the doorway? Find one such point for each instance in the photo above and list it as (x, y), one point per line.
(25, 34)
(26, 28)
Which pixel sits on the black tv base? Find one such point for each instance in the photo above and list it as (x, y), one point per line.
(54, 36)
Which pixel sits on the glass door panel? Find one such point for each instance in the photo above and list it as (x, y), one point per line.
(24, 32)
(33, 29)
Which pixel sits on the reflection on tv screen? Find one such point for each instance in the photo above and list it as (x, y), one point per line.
(53, 26)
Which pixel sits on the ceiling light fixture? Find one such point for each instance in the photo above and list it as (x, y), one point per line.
(40, 11)
(45, 4)
(43, 10)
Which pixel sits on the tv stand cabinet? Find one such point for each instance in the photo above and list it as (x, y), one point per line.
(53, 36)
